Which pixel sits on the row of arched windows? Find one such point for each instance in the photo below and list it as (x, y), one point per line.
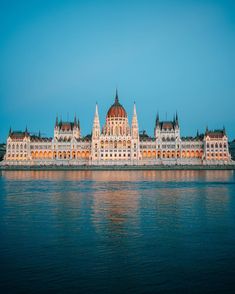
(60, 155)
(216, 145)
(172, 154)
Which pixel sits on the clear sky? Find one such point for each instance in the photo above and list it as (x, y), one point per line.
(63, 56)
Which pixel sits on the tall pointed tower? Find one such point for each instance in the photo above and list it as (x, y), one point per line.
(95, 146)
(134, 125)
(76, 128)
(157, 127)
(96, 124)
(135, 136)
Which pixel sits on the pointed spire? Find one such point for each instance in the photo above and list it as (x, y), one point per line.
(39, 134)
(134, 125)
(197, 133)
(134, 110)
(56, 121)
(75, 120)
(96, 110)
(26, 129)
(134, 118)
(60, 123)
(96, 123)
(116, 97)
(157, 119)
(224, 131)
(10, 131)
(176, 119)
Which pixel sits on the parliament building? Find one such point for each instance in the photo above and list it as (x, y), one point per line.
(117, 143)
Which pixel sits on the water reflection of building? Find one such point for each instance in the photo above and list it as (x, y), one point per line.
(108, 177)
(115, 210)
(118, 201)
(117, 143)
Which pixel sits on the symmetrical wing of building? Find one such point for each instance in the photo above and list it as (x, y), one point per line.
(117, 143)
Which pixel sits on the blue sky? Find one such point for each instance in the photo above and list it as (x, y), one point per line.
(63, 56)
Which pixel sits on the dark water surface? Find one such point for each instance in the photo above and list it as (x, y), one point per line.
(117, 232)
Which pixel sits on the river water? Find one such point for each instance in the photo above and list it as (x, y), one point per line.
(117, 232)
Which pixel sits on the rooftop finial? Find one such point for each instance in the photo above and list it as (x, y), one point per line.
(176, 119)
(157, 119)
(116, 97)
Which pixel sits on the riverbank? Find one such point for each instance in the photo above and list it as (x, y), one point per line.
(120, 168)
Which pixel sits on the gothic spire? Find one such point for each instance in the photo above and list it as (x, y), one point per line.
(176, 119)
(96, 123)
(134, 125)
(157, 119)
(116, 97)
(56, 121)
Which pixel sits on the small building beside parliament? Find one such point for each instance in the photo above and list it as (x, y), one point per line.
(117, 143)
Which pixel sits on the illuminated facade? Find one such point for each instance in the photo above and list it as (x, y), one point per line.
(117, 143)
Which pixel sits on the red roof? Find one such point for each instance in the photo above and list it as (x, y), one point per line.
(215, 134)
(116, 110)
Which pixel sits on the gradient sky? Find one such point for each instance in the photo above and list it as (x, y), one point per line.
(63, 56)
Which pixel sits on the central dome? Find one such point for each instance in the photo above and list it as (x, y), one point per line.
(116, 110)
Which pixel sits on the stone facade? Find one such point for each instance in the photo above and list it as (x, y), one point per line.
(117, 143)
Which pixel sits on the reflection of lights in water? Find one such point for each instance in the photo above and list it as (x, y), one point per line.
(116, 201)
(117, 207)
(164, 175)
